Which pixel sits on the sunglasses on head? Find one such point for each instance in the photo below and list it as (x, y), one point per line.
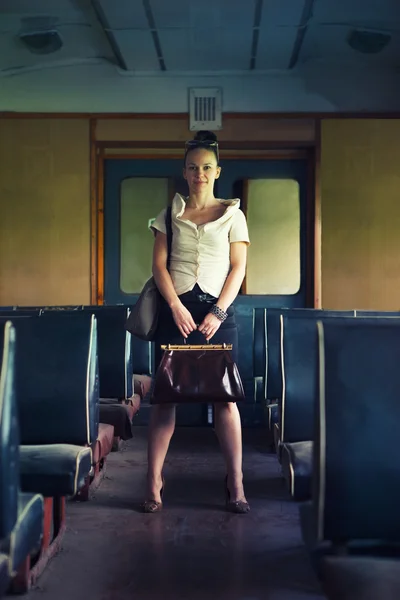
(191, 144)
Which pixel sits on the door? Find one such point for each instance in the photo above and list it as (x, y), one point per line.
(274, 198)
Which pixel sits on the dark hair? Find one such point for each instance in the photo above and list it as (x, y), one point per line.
(205, 136)
(203, 139)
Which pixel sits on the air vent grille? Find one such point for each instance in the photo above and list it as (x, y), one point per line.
(205, 108)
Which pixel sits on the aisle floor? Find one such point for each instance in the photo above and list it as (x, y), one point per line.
(193, 549)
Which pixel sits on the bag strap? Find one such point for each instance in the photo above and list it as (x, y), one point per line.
(168, 225)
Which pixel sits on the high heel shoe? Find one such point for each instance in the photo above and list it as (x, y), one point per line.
(240, 506)
(152, 506)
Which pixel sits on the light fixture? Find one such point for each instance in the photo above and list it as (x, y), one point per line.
(368, 41)
(42, 42)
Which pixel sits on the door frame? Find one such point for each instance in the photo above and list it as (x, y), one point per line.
(103, 150)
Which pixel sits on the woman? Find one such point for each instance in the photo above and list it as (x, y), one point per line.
(207, 267)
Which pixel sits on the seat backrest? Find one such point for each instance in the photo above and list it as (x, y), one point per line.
(273, 377)
(357, 453)
(299, 348)
(115, 354)
(250, 321)
(140, 354)
(9, 433)
(57, 380)
(68, 308)
(113, 346)
(377, 313)
(20, 313)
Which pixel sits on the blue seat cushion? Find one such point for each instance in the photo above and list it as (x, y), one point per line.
(4, 574)
(296, 461)
(54, 469)
(27, 533)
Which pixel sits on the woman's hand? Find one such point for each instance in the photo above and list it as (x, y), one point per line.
(209, 326)
(183, 319)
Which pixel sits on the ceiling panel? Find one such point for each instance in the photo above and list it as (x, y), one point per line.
(203, 13)
(124, 14)
(356, 11)
(138, 49)
(79, 43)
(275, 47)
(206, 49)
(281, 12)
(38, 7)
(324, 43)
(201, 35)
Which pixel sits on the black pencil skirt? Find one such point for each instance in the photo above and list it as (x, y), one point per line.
(198, 304)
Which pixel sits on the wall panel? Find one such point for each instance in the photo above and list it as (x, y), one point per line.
(44, 211)
(360, 198)
(234, 128)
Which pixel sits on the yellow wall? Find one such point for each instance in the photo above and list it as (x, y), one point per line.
(44, 211)
(360, 198)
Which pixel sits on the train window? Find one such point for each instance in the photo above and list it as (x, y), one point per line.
(273, 218)
(141, 199)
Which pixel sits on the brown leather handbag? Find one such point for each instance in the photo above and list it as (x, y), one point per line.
(194, 373)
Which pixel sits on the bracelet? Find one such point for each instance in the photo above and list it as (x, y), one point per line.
(218, 312)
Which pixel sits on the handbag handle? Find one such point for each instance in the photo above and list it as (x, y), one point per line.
(196, 347)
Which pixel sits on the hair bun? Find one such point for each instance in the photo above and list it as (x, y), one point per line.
(205, 136)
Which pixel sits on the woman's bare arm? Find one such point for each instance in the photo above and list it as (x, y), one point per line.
(238, 258)
(160, 272)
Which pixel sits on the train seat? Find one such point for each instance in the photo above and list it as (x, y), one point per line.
(21, 515)
(58, 404)
(356, 493)
(54, 469)
(299, 356)
(273, 363)
(114, 351)
(299, 350)
(114, 348)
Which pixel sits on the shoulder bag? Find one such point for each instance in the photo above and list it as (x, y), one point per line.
(143, 318)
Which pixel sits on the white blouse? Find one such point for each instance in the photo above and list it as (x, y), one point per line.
(201, 253)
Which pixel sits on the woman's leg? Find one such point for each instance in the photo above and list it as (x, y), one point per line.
(229, 431)
(161, 429)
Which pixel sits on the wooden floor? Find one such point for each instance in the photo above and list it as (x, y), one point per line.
(193, 549)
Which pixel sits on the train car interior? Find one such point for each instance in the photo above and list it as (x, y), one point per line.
(101, 104)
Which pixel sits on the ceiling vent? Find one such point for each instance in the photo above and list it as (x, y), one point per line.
(205, 109)
(368, 41)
